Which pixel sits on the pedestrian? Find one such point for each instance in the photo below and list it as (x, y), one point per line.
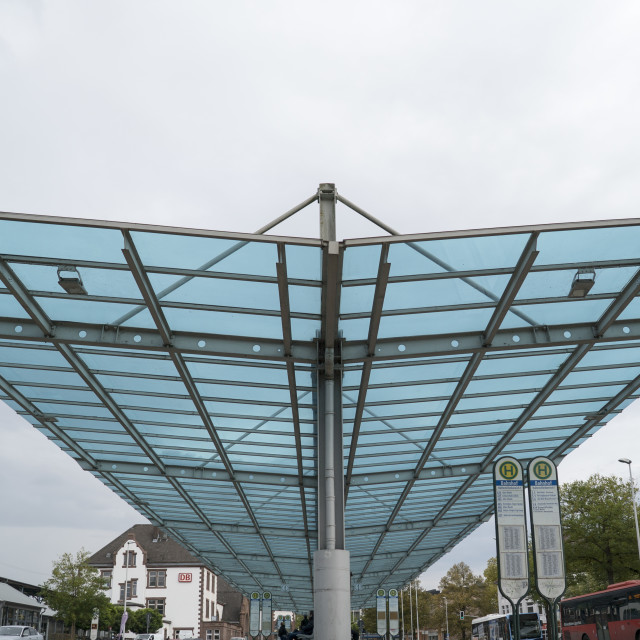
(282, 631)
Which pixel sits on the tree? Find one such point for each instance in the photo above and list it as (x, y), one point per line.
(599, 533)
(490, 600)
(466, 592)
(75, 590)
(137, 621)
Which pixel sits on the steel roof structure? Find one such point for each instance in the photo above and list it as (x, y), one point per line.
(183, 369)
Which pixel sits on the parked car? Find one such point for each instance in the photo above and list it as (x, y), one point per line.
(144, 636)
(18, 631)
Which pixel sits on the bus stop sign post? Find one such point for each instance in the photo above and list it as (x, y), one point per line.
(511, 534)
(546, 536)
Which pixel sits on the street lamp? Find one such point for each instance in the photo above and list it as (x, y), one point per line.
(123, 622)
(126, 570)
(633, 498)
(446, 615)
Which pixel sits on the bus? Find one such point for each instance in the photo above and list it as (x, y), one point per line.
(496, 626)
(612, 614)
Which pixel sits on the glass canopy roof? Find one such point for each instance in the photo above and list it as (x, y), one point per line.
(180, 368)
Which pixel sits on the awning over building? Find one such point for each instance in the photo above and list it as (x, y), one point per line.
(180, 367)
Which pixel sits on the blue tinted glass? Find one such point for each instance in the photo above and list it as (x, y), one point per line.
(304, 263)
(588, 245)
(361, 262)
(97, 282)
(61, 241)
(559, 313)
(233, 324)
(438, 293)
(214, 254)
(446, 322)
(458, 254)
(220, 293)
(11, 308)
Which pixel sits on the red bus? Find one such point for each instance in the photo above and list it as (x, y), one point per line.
(612, 614)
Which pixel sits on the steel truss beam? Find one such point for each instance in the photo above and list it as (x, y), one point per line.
(283, 291)
(142, 341)
(606, 321)
(218, 475)
(511, 291)
(40, 318)
(374, 325)
(292, 532)
(142, 280)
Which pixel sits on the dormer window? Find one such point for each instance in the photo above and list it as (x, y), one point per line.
(129, 559)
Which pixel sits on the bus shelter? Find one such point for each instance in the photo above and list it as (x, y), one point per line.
(312, 417)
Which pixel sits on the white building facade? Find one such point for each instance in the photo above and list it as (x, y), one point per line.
(160, 574)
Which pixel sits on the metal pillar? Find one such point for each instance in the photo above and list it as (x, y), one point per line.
(331, 565)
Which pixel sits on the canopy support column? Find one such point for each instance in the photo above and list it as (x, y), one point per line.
(331, 564)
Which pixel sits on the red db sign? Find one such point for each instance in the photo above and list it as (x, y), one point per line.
(184, 577)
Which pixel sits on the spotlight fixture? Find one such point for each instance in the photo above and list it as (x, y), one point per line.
(69, 279)
(582, 283)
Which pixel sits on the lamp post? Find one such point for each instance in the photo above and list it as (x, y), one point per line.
(123, 623)
(633, 499)
(446, 615)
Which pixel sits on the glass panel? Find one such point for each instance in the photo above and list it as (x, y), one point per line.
(361, 262)
(192, 252)
(557, 284)
(232, 324)
(559, 313)
(98, 282)
(11, 308)
(61, 241)
(220, 293)
(437, 293)
(90, 311)
(588, 245)
(426, 324)
(304, 263)
(489, 252)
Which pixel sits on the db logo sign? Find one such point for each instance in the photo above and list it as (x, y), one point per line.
(184, 577)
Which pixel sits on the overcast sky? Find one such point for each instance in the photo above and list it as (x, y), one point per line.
(430, 115)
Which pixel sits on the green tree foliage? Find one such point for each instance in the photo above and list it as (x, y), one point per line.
(74, 590)
(137, 621)
(599, 533)
(490, 602)
(110, 616)
(466, 592)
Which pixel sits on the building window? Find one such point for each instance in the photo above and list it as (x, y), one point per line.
(208, 583)
(209, 635)
(156, 579)
(157, 604)
(129, 559)
(207, 610)
(216, 634)
(106, 575)
(132, 589)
